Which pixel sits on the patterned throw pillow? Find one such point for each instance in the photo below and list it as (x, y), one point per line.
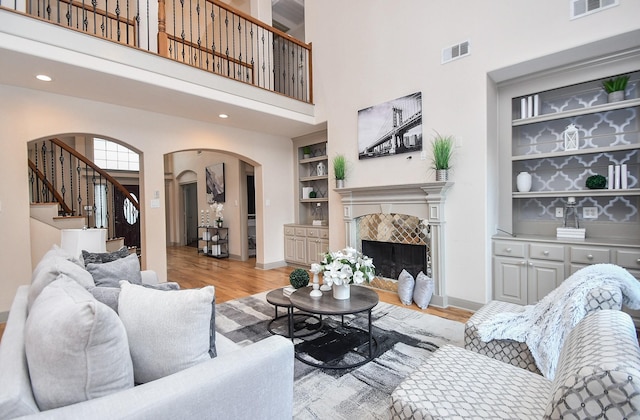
(109, 274)
(103, 257)
(423, 290)
(406, 283)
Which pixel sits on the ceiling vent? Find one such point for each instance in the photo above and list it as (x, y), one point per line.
(580, 8)
(455, 51)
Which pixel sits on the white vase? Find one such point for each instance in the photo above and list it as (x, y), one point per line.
(442, 175)
(339, 183)
(342, 292)
(523, 182)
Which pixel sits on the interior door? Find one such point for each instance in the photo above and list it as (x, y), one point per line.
(127, 217)
(190, 201)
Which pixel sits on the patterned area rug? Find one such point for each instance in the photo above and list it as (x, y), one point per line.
(405, 338)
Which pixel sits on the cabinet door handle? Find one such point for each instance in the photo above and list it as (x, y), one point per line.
(509, 250)
(530, 264)
(523, 263)
(546, 253)
(589, 257)
(638, 260)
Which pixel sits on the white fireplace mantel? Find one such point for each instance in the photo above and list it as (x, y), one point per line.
(425, 201)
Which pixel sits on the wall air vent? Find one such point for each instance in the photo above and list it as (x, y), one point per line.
(455, 51)
(580, 8)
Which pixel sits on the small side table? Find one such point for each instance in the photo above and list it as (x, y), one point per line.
(279, 300)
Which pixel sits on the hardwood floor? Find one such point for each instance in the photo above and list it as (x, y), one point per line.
(236, 279)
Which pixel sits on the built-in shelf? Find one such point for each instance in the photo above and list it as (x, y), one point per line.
(578, 193)
(313, 178)
(313, 159)
(575, 152)
(578, 112)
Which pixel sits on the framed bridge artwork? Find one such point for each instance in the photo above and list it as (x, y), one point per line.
(215, 183)
(391, 128)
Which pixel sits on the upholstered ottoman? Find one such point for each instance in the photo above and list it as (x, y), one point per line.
(458, 383)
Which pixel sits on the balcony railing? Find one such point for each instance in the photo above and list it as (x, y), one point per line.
(206, 34)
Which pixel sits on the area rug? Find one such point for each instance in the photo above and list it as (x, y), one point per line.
(406, 338)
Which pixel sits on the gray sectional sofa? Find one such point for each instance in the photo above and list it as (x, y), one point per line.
(251, 382)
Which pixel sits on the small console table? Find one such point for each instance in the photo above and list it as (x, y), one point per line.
(213, 241)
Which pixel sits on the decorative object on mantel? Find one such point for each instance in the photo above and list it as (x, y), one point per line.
(571, 226)
(340, 169)
(523, 182)
(316, 269)
(321, 169)
(596, 182)
(442, 147)
(615, 88)
(346, 267)
(571, 137)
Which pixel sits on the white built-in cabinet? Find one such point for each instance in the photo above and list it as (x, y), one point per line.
(528, 259)
(308, 238)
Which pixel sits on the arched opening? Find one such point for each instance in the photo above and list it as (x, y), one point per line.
(187, 174)
(85, 181)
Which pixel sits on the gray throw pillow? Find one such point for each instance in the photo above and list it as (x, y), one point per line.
(76, 347)
(103, 257)
(168, 331)
(49, 269)
(406, 283)
(109, 295)
(109, 274)
(423, 290)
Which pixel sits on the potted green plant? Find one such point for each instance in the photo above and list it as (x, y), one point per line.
(615, 88)
(339, 170)
(306, 152)
(442, 148)
(299, 278)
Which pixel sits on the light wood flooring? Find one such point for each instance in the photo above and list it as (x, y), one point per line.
(236, 279)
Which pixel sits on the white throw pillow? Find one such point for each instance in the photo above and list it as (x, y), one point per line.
(49, 268)
(76, 347)
(406, 283)
(168, 330)
(423, 290)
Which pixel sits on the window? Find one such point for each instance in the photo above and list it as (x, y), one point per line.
(110, 155)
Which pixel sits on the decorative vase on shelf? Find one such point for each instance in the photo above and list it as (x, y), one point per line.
(339, 183)
(616, 96)
(442, 175)
(219, 223)
(321, 169)
(341, 292)
(523, 182)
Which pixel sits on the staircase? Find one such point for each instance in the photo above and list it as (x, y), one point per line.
(68, 191)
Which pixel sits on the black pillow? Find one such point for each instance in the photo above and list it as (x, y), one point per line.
(103, 257)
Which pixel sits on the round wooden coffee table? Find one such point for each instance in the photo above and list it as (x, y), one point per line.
(362, 299)
(279, 300)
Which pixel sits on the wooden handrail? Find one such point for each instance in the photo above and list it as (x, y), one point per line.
(50, 187)
(210, 51)
(101, 171)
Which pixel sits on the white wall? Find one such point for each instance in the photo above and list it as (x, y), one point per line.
(370, 51)
(26, 115)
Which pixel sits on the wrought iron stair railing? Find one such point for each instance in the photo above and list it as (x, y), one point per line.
(60, 174)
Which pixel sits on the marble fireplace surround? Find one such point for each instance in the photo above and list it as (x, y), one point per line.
(425, 201)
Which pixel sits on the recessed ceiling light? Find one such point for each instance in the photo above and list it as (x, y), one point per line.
(43, 77)
(223, 116)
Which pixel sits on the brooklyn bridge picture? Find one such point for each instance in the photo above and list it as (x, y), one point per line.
(391, 128)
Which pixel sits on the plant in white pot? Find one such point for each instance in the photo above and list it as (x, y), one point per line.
(615, 88)
(340, 170)
(442, 148)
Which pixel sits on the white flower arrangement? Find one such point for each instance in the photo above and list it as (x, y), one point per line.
(347, 266)
(217, 208)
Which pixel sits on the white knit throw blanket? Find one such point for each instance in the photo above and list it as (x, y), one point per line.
(544, 326)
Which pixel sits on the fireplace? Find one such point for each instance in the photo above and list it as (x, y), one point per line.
(402, 217)
(391, 258)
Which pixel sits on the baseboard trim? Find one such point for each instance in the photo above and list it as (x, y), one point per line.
(3, 317)
(464, 304)
(269, 266)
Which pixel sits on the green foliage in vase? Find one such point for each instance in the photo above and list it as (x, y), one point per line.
(340, 166)
(596, 182)
(306, 150)
(616, 84)
(442, 147)
(299, 278)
